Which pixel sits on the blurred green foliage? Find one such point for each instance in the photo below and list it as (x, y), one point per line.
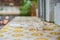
(26, 7)
(35, 1)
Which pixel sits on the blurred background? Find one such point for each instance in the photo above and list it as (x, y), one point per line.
(12, 8)
(18, 7)
(47, 10)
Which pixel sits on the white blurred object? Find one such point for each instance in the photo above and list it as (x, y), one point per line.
(37, 12)
(11, 4)
(23, 24)
(57, 14)
(14, 24)
(7, 17)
